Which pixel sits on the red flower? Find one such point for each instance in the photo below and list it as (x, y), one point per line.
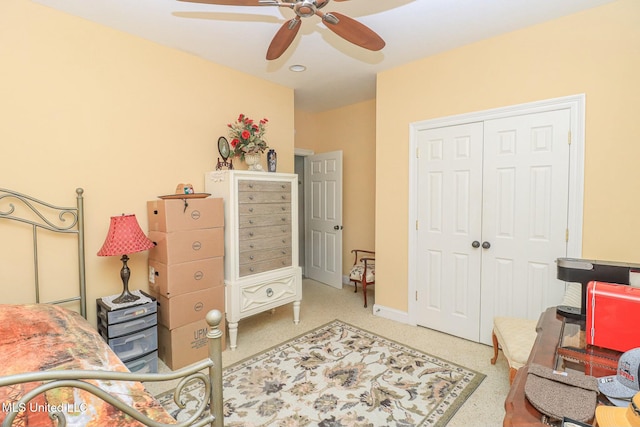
(247, 136)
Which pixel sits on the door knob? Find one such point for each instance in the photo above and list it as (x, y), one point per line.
(486, 245)
(475, 244)
(337, 227)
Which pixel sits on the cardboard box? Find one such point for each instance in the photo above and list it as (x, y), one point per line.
(185, 246)
(173, 215)
(175, 279)
(187, 308)
(185, 345)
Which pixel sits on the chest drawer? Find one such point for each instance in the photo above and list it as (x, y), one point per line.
(134, 325)
(145, 364)
(264, 209)
(265, 197)
(132, 346)
(110, 317)
(262, 295)
(264, 255)
(283, 231)
(268, 265)
(283, 241)
(260, 186)
(264, 220)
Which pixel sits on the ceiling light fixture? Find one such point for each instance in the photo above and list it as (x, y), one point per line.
(297, 68)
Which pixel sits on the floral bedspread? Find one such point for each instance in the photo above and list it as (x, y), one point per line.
(43, 337)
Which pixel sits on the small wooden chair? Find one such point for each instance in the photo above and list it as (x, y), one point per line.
(363, 270)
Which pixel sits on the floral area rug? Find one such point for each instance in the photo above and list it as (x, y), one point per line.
(339, 375)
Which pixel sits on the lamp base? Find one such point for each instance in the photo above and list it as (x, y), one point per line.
(125, 297)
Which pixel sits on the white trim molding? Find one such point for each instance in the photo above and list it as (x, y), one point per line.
(393, 314)
(303, 152)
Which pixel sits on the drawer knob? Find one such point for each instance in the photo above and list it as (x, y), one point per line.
(250, 209)
(283, 186)
(251, 257)
(251, 269)
(269, 292)
(283, 218)
(284, 241)
(251, 233)
(250, 197)
(250, 185)
(251, 246)
(283, 197)
(283, 208)
(284, 252)
(250, 221)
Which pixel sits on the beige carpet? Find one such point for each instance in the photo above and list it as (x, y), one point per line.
(322, 304)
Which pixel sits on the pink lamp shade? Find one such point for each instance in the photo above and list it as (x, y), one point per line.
(124, 237)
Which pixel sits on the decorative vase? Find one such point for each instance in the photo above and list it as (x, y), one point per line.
(253, 161)
(272, 160)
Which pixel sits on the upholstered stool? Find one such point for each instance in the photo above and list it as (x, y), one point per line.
(515, 337)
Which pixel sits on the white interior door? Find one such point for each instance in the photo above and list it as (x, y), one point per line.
(323, 217)
(449, 220)
(525, 209)
(492, 220)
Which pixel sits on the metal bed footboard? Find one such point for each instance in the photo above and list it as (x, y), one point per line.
(212, 382)
(56, 219)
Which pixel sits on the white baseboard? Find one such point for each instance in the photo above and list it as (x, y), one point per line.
(392, 314)
(385, 312)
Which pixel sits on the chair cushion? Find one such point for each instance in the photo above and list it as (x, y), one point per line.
(516, 337)
(357, 270)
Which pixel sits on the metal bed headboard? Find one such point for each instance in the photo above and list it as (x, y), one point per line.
(69, 220)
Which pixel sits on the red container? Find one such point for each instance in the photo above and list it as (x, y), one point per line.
(613, 316)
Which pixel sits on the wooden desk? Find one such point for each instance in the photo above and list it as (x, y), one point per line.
(548, 350)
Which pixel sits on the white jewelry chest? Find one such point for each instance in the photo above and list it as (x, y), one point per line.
(261, 243)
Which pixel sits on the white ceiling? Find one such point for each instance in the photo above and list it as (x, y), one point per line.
(338, 73)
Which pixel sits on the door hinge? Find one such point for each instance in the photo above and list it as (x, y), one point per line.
(416, 224)
(416, 295)
(566, 235)
(569, 138)
(417, 152)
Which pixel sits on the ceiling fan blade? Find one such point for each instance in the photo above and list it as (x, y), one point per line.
(353, 31)
(228, 2)
(283, 38)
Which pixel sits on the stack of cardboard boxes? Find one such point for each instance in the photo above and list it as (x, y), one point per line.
(186, 274)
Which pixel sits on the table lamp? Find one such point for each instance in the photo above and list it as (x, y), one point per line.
(125, 237)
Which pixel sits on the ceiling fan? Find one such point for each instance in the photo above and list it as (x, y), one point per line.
(347, 28)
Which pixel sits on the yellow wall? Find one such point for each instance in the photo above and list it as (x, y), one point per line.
(595, 52)
(352, 130)
(126, 119)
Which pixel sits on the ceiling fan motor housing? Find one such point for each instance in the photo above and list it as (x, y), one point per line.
(306, 8)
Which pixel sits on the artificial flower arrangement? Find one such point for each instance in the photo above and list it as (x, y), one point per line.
(247, 136)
